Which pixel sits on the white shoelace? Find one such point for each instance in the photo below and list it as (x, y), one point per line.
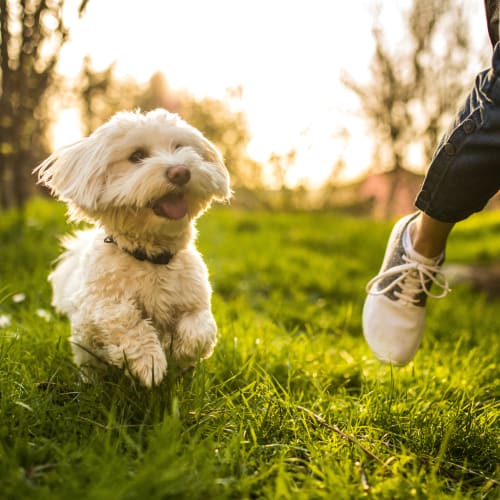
(412, 281)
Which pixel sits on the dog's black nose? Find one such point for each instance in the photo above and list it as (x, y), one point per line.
(179, 175)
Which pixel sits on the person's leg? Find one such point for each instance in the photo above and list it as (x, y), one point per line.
(463, 175)
(492, 11)
(429, 236)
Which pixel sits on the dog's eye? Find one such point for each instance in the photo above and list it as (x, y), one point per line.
(177, 147)
(138, 155)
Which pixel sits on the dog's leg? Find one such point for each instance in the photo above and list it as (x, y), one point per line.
(195, 337)
(119, 336)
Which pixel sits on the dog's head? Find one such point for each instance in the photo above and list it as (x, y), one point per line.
(154, 165)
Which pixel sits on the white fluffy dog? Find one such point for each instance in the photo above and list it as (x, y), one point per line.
(134, 287)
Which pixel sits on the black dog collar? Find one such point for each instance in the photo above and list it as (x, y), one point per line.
(140, 254)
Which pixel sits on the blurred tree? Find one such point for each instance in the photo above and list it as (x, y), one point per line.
(101, 95)
(158, 94)
(414, 89)
(32, 34)
(280, 168)
(281, 165)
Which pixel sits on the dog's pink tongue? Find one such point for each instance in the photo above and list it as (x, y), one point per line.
(172, 206)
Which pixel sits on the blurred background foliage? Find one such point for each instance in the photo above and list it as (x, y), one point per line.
(409, 98)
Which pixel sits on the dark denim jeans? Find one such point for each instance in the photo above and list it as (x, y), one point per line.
(465, 170)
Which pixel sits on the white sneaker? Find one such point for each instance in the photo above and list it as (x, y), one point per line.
(394, 310)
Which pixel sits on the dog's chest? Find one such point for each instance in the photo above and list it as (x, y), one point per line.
(159, 297)
(163, 293)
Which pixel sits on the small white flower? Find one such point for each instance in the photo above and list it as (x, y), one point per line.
(18, 297)
(5, 320)
(42, 313)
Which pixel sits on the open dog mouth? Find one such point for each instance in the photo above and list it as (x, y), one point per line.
(171, 206)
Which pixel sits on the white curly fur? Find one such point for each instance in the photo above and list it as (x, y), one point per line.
(123, 311)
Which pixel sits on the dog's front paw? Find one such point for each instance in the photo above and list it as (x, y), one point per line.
(147, 362)
(149, 369)
(195, 337)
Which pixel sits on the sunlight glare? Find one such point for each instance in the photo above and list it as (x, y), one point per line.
(66, 129)
(287, 66)
(286, 55)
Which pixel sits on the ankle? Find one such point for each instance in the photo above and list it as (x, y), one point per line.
(426, 244)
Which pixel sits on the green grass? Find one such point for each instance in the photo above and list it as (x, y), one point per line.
(291, 405)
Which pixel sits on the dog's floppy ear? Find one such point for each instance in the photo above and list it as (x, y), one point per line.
(210, 153)
(74, 173)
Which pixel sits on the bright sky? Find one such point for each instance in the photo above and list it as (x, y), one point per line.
(286, 54)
